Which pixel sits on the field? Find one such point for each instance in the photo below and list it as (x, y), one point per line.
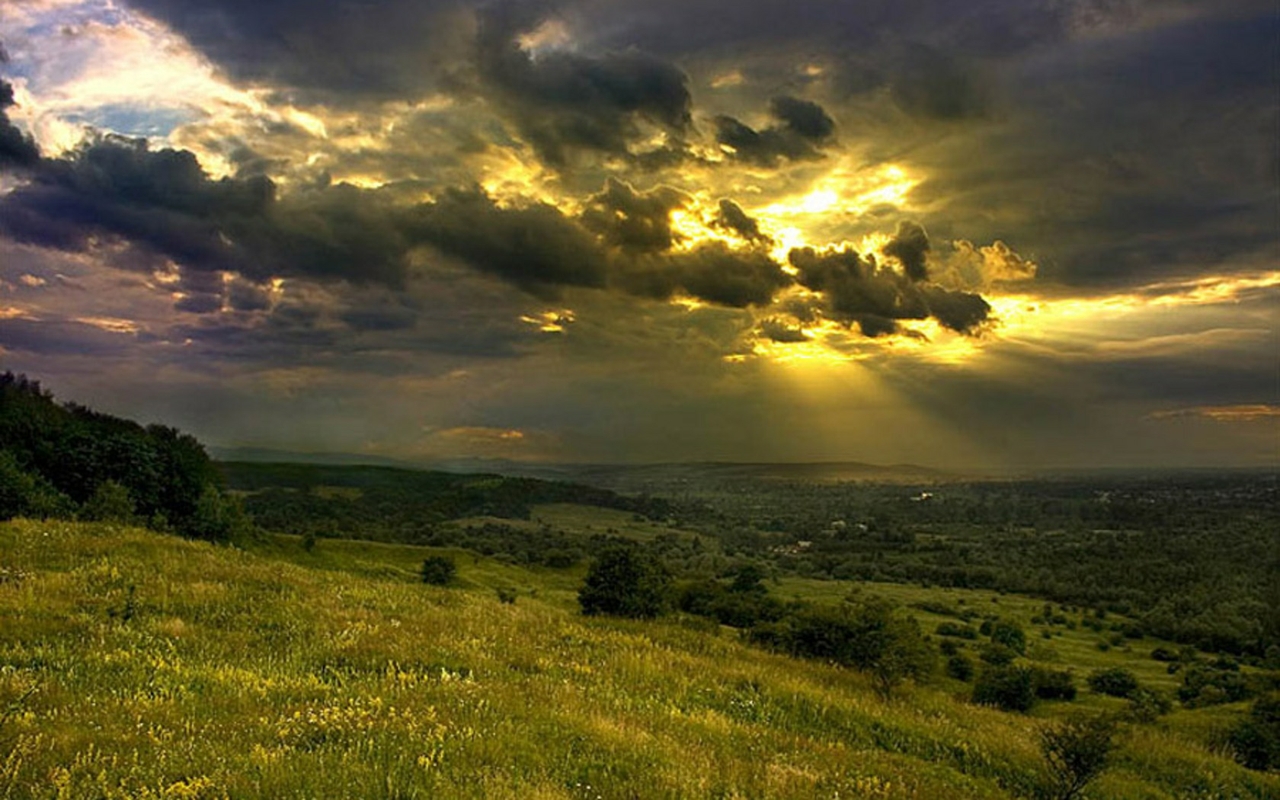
(134, 664)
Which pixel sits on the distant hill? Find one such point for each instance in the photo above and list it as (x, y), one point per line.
(620, 477)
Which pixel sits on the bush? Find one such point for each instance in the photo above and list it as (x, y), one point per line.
(1146, 705)
(1009, 635)
(1202, 685)
(1076, 752)
(960, 667)
(506, 595)
(1255, 740)
(1053, 684)
(996, 654)
(1116, 682)
(1006, 687)
(626, 582)
(438, 570)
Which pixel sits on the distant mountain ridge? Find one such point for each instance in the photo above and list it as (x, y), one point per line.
(626, 477)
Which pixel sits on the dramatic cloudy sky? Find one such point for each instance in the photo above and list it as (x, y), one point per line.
(999, 234)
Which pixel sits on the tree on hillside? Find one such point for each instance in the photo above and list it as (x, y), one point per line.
(624, 581)
(1076, 752)
(438, 570)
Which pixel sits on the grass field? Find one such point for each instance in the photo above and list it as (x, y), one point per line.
(138, 665)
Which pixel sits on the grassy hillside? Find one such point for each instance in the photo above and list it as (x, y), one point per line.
(139, 665)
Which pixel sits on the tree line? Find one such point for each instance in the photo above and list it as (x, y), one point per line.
(65, 460)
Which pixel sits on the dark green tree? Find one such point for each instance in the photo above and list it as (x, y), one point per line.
(1076, 752)
(1116, 682)
(110, 502)
(624, 581)
(1255, 740)
(1010, 688)
(438, 570)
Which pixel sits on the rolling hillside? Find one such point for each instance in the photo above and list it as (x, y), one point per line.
(134, 664)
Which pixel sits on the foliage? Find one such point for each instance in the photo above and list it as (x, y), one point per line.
(1255, 740)
(1210, 684)
(70, 451)
(960, 667)
(218, 518)
(1076, 752)
(438, 570)
(625, 581)
(26, 494)
(110, 502)
(1010, 688)
(1053, 684)
(1147, 705)
(1010, 635)
(1116, 682)
(867, 636)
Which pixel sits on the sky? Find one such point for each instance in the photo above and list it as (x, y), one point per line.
(998, 235)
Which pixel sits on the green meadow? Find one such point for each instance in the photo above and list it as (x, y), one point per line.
(139, 665)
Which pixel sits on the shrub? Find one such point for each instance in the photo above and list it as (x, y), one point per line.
(506, 595)
(1009, 635)
(1146, 705)
(996, 654)
(1006, 687)
(1053, 684)
(438, 570)
(1116, 682)
(960, 667)
(1255, 740)
(626, 582)
(1076, 752)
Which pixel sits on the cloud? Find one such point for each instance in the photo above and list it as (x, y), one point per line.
(16, 148)
(563, 101)
(634, 221)
(731, 217)
(114, 188)
(1254, 412)
(857, 289)
(711, 272)
(533, 246)
(910, 246)
(327, 51)
(803, 129)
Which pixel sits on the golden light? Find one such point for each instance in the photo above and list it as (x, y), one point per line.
(551, 321)
(847, 189)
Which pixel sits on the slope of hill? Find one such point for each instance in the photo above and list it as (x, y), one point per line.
(139, 665)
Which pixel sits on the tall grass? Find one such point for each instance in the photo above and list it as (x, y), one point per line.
(143, 666)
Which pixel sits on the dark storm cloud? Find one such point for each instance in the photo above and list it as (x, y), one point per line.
(910, 245)
(16, 148)
(534, 247)
(634, 221)
(563, 101)
(803, 129)
(1130, 159)
(876, 297)
(351, 51)
(163, 201)
(734, 278)
(61, 337)
(731, 217)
